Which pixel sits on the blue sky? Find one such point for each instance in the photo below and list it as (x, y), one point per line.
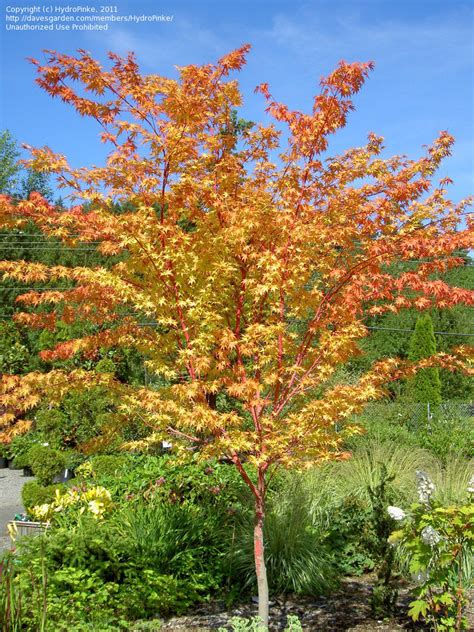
(423, 81)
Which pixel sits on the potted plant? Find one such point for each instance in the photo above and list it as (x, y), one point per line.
(22, 462)
(72, 460)
(4, 453)
(46, 463)
(13, 464)
(19, 449)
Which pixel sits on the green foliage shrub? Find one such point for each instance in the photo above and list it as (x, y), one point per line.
(443, 435)
(350, 537)
(106, 365)
(438, 541)
(154, 625)
(14, 353)
(169, 479)
(103, 573)
(108, 465)
(212, 484)
(78, 419)
(344, 518)
(425, 386)
(33, 494)
(20, 447)
(160, 550)
(79, 594)
(341, 504)
(182, 540)
(51, 422)
(46, 463)
(73, 573)
(31, 446)
(87, 421)
(147, 592)
(73, 459)
(447, 437)
(21, 461)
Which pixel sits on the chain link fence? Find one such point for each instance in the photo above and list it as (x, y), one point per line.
(418, 415)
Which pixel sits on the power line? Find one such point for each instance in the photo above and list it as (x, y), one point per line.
(40, 236)
(52, 240)
(35, 289)
(59, 249)
(406, 263)
(19, 239)
(438, 333)
(15, 245)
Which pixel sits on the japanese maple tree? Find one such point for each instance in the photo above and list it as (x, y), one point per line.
(249, 260)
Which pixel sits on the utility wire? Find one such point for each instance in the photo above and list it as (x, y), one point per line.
(12, 245)
(438, 333)
(49, 240)
(27, 289)
(55, 248)
(33, 236)
(37, 245)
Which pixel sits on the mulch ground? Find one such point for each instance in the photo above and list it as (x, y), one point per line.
(347, 609)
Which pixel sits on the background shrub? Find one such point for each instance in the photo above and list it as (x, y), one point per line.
(33, 494)
(447, 432)
(79, 419)
(108, 465)
(46, 463)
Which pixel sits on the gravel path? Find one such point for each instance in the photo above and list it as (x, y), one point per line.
(11, 482)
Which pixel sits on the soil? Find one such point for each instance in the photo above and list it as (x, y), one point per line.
(347, 609)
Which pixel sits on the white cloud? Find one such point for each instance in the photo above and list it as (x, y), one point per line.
(448, 40)
(169, 44)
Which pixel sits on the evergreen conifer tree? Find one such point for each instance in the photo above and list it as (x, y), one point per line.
(426, 385)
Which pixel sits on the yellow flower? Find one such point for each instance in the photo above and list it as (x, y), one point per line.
(44, 512)
(96, 507)
(12, 530)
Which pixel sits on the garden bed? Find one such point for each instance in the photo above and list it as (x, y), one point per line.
(347, 609)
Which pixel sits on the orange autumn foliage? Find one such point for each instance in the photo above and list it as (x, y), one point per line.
(254, 255)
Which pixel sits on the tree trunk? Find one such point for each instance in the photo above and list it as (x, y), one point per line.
(259, 553)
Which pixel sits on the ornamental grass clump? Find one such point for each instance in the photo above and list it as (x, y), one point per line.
(451, 480)
(297, 559)
(362, 472)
